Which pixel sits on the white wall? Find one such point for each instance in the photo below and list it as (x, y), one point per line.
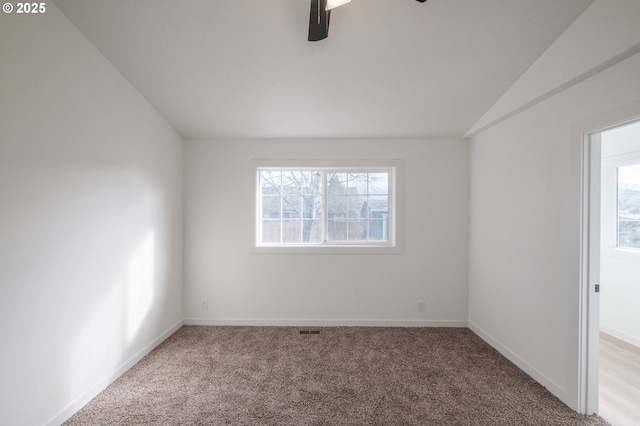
(249, 288)
(90, 221)
(619, 268)
(525, 206)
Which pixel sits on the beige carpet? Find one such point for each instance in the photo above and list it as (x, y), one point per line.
(345, 375)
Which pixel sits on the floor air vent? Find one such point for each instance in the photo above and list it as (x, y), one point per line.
(309, 331)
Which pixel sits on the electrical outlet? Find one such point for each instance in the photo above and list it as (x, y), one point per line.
(420, 306)
(204, 304)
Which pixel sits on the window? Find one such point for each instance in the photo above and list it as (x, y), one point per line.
(320, 206)
(620, 195)
(628, 207)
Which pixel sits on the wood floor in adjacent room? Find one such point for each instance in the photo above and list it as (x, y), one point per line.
(619, 382)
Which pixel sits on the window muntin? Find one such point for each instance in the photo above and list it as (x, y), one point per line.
(628, 206)
(324, 206)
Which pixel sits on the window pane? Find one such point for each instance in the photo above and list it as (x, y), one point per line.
(312, 207)
(337, 206)
(336, 183)
(356, 183)
(378, 183)
(378, 230)
(291, 182)
(629, 234)
(312, 231)
(270, 182)
(271, 207)
(378, 206)
(291, 206)
(337, 230)
(357, 207)
(311, 182)
(629, 206)
(357, 230)
(292, 231)
(270, 231)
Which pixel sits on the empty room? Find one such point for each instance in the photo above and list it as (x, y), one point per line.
(316, 211)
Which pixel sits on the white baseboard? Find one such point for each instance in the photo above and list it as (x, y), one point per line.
(323, 322)
(621, 335)
(70, 410)
(538, 376)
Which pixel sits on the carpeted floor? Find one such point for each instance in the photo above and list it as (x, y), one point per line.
(343, 376)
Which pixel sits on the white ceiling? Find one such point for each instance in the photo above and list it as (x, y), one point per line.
(389, 68)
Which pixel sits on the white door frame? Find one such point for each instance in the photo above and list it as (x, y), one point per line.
(590, 272)
(587, 135)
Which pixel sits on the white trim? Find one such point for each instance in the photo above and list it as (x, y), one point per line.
(538, 376)
(592, 146)
(324, 322)
(80, 402)
(396, 202)
(326, 249)
(621, 335)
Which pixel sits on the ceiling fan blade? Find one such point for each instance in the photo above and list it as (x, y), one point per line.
(320, 15)
(319, 20)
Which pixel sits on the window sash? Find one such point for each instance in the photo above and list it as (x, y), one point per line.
(383, 224)
(628, 207)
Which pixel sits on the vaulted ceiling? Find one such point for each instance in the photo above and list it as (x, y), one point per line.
(389, 68)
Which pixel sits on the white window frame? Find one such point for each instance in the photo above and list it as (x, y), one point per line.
(609, 203)
(393, 245)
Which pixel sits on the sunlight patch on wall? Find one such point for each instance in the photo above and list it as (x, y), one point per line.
(139, 287)
(99, 345)
(118, 317)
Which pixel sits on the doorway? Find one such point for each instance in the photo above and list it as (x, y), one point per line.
(588, 135)
(619, 319)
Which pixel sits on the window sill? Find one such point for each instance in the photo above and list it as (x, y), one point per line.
(621, 253)
(327, 249)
